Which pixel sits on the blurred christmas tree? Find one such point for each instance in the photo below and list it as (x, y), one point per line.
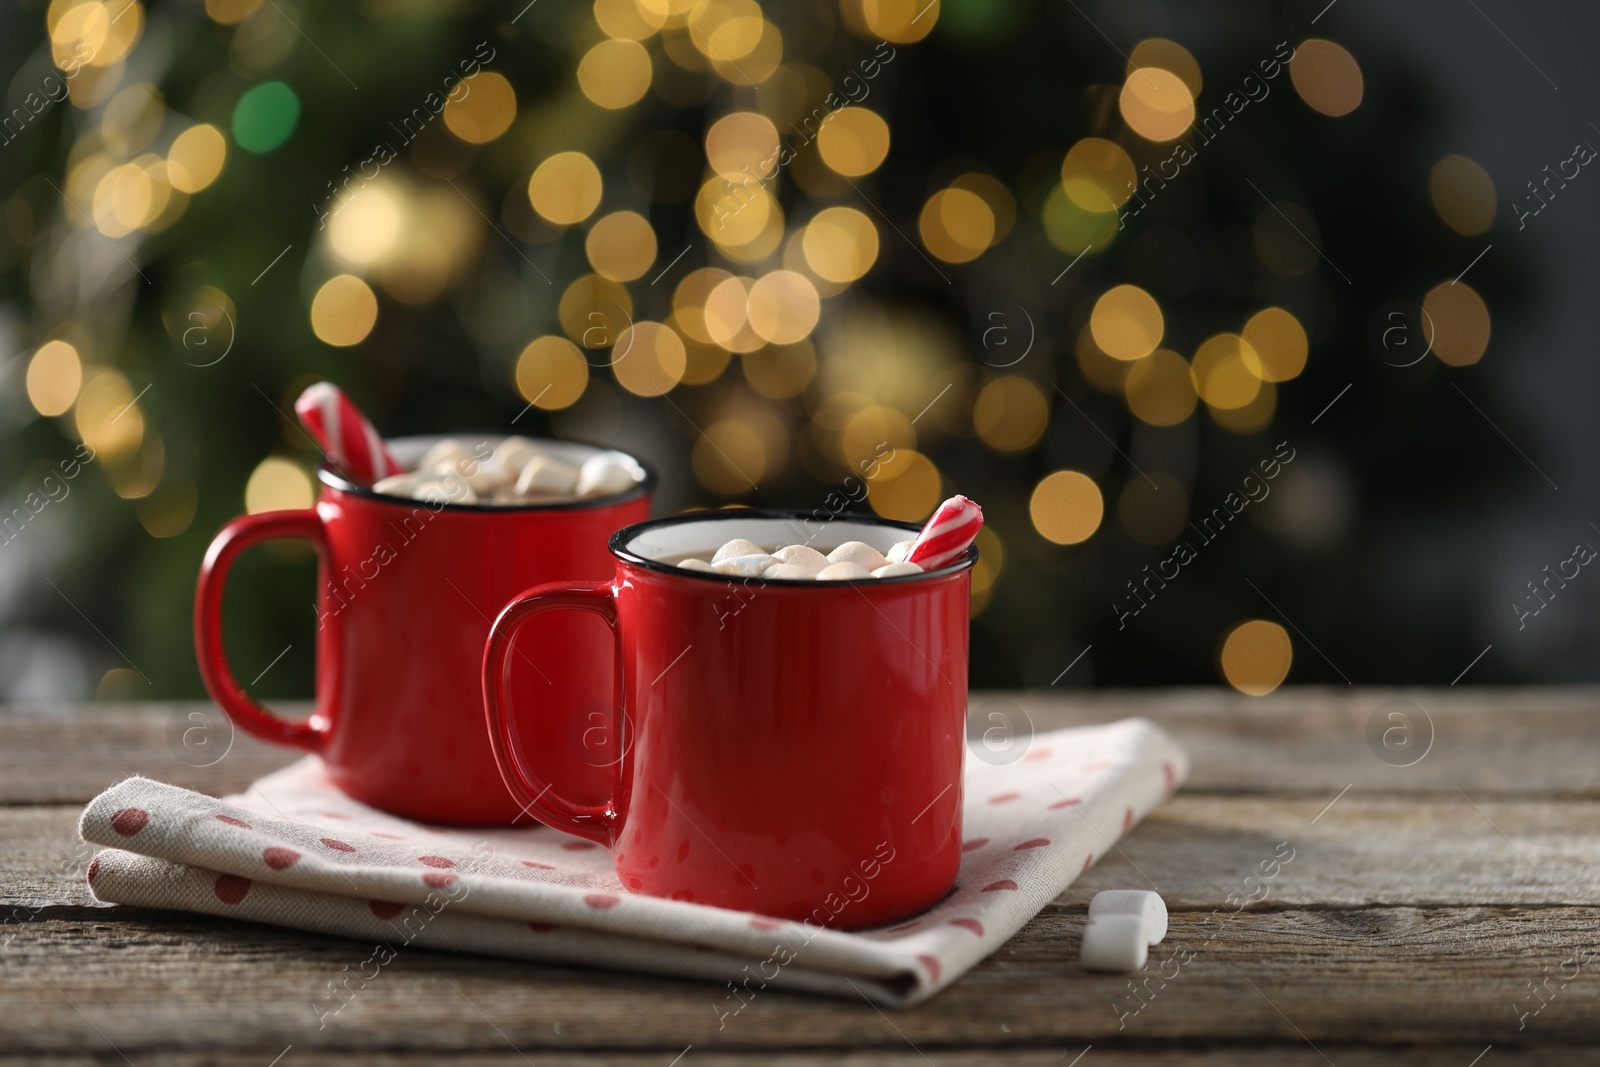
(1105, 292)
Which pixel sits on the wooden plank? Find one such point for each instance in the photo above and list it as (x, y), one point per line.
(1102, 1055)
(152, 982)
(1399, 920)
(1299, 742)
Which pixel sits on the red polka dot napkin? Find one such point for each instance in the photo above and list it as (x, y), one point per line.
(294, 851)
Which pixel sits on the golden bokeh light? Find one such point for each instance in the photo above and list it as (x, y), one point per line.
(1153, 508)
(853, 141)
(840, 244)
(615, 74)
(278, 485)
(196, 157)
(733, 214)
(1010, 414)
(480, 107)
(1278, 342)
(1252, 417)
(986, 572)
(1066, 507)
(123, 200)
(743, 147)
(703, 362)
(344, 311)
(621, 246)
(1256, 657)
(727, 315)
(1107, 375)
(1327, 77)
(1226, 373)
(649, 359)
(689, 302)
(551, 373)
(367, 226)
(135, 476)
(1159, 389)
(1167, 55)
(956, 225)
(780, 371)
(907, 487)
(626, 20)
(1458, 321)
(1097, 175)
(106, 416)
(736, 453)
(132, 118)
(565, 189)
(55, 374)
(899, 21)
(594, 311)
(869, 429)
(783, 307)
(759, 64)
(229, 12)
(1002, 205)
(1156, 104)
(1127, 323)
(1463, 194)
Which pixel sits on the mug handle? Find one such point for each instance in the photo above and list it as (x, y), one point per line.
(593, 822)
(310, 734)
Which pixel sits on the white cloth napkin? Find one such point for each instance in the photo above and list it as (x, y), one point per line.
(294, 851)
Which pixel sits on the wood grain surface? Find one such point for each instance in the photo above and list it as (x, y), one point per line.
(1431, 914)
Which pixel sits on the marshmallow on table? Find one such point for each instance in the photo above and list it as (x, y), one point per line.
(603, 475)
(896, 570)
(860, 553)
(844, 571)
(737, 547)
(1148, 906)
(1116, 942)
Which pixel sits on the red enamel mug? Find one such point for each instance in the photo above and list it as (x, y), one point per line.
(790, 748)
(406, 590)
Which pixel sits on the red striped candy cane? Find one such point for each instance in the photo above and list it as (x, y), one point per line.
(351, 444)
(945, 538)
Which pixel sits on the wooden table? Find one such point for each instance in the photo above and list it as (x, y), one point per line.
(1446, 912)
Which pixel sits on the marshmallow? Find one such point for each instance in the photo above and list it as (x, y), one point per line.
(397, 484)
(516, 452)
(805, 557)
(738, 547)
(859, 553)
(697, 565)
(787, 570)
(442, 453)
(896, 570)
(843, 572)
(1150, 908)
(602, 475)
(543, 476)
(485, 476)
(899, 550)
(444, 490)
(750, 566)
(1115, 943)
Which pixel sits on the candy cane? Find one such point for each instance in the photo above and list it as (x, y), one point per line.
(351, 444)
(945, 538)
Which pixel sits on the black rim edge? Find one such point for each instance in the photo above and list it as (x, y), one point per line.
(627, 533)
(332, 478)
